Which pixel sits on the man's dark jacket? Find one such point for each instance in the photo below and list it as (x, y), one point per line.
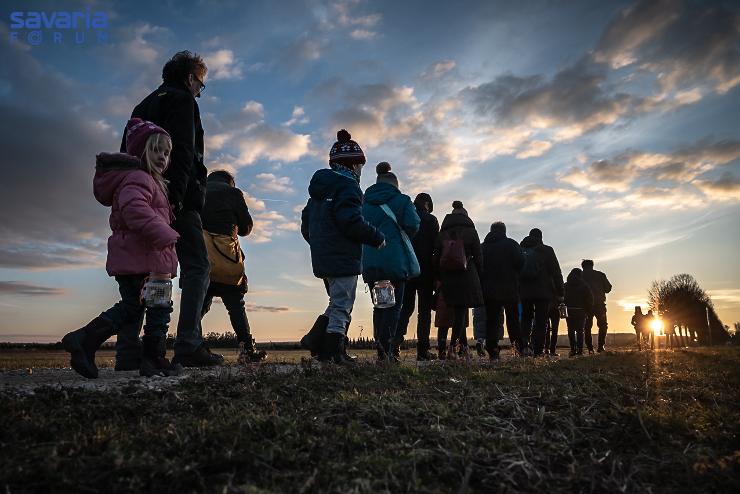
(225, 208)
(599, 285)
(502, 261)
(333, 225)
(173, 107)
(549, 282)
(423, 243)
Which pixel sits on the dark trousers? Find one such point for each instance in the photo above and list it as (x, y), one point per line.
(459, 318)
(534, 322)
(576, 320)
(553, 319)
(599, 311)
(194, 267)
(385, 321)
(494, 322)
(233, 299)
(424, 317)
(129, 311)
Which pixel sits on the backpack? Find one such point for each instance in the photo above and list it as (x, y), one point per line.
(532, 265)
(453, 254)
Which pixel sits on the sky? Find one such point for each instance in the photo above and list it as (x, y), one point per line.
(612, 126)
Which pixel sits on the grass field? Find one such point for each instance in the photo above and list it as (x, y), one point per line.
(622, 422)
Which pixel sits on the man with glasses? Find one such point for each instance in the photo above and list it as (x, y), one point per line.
(173, 107)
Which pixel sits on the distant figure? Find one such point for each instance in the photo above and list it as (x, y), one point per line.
(225, 218)
(580, 301)
(393, 214)
(141, 250)
(600, 286)
(457, 256)
(540, 275)
(503, 260)
(423, 285)
(335, 230)
(173, 106)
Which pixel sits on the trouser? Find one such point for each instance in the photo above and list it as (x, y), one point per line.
(459, 319)
(341, 293)
(129, 311)
(233, 300)
(553, 319)
(535, 311)
(494, 325)
(576, 320)
(385, 321)
(424, 317)
(194, 267)
(599, 311)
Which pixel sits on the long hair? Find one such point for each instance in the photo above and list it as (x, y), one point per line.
(154, 144)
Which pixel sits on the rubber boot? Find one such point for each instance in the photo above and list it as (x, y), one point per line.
(333, 350)
(153, 361)
(313, 340)
(83, 343)
(248, 352)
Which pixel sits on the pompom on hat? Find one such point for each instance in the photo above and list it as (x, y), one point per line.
(138, 132)
(346, 152)
(385, 175)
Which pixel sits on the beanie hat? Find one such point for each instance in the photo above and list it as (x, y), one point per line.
(422, 198)
(457, 208)
(345, 152)
(536, 233)
(385, 176)
(138, 132)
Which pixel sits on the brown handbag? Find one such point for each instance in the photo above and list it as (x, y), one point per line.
(226, 258)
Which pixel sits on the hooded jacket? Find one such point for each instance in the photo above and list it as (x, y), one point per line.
(173, 107)
(549, 282)
(225, 209)
(461, 288)
(578, 296)
(142, 241)
(395, 260)
(502, 262)
(333, 225)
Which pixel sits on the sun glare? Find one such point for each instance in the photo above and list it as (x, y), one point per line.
(656, 325)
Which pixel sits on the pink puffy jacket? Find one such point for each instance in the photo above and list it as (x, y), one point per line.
(142, 239)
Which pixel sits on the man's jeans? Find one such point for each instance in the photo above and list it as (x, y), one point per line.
(385, 321)
(194, 267)
(341, 293)
(234, 302)
(535, 309)
(424, 320)
(495, 325)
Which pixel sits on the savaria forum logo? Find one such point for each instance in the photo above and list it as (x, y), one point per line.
(59, 27)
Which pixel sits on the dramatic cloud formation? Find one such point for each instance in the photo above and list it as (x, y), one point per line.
(535, 198)
(223, 65)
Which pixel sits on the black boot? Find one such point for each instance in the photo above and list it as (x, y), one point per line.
(83, 344)
(442, 349)
(153, 361)
(248, 352)
(333, 350)
(313, 340)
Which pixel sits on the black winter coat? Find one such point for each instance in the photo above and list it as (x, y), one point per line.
(461, 289)
(578, 296)
(173, 107)
(549, 282)
(333, 225)
(598, 283)
(423, 243)
(225, 208)
(502, 261)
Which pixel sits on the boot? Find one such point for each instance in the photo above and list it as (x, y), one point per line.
(201, 357)
(479, 348)
(248, 352)
(83, 344)
(333, 350)
(153, 361)
(313, 339)
(344, 350)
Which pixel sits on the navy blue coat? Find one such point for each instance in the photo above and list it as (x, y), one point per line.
(333, 225)
(395, 261)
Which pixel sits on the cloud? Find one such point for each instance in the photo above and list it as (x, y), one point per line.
(347, 15)
(362, 34)
(534, 149)
(297, 117)
(266, 308)
(535, 198)
(725, 298)
(144, 44)
(223, 65)
(439, 69)
(272, 183)
(725, 188)
(26, 289)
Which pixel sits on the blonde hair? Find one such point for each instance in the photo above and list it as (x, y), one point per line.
(154, 144)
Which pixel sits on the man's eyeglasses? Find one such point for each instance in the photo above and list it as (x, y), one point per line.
(202, 86)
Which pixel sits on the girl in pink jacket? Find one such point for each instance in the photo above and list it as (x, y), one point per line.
(140, 249)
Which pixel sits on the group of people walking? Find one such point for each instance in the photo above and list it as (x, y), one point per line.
(394, 242)
(166, 209)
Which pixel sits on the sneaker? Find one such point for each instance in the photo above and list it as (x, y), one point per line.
(479, 349)
(572, 353)
(601, 349)
(202, 357)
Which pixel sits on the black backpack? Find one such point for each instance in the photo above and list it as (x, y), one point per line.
(533, 265)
